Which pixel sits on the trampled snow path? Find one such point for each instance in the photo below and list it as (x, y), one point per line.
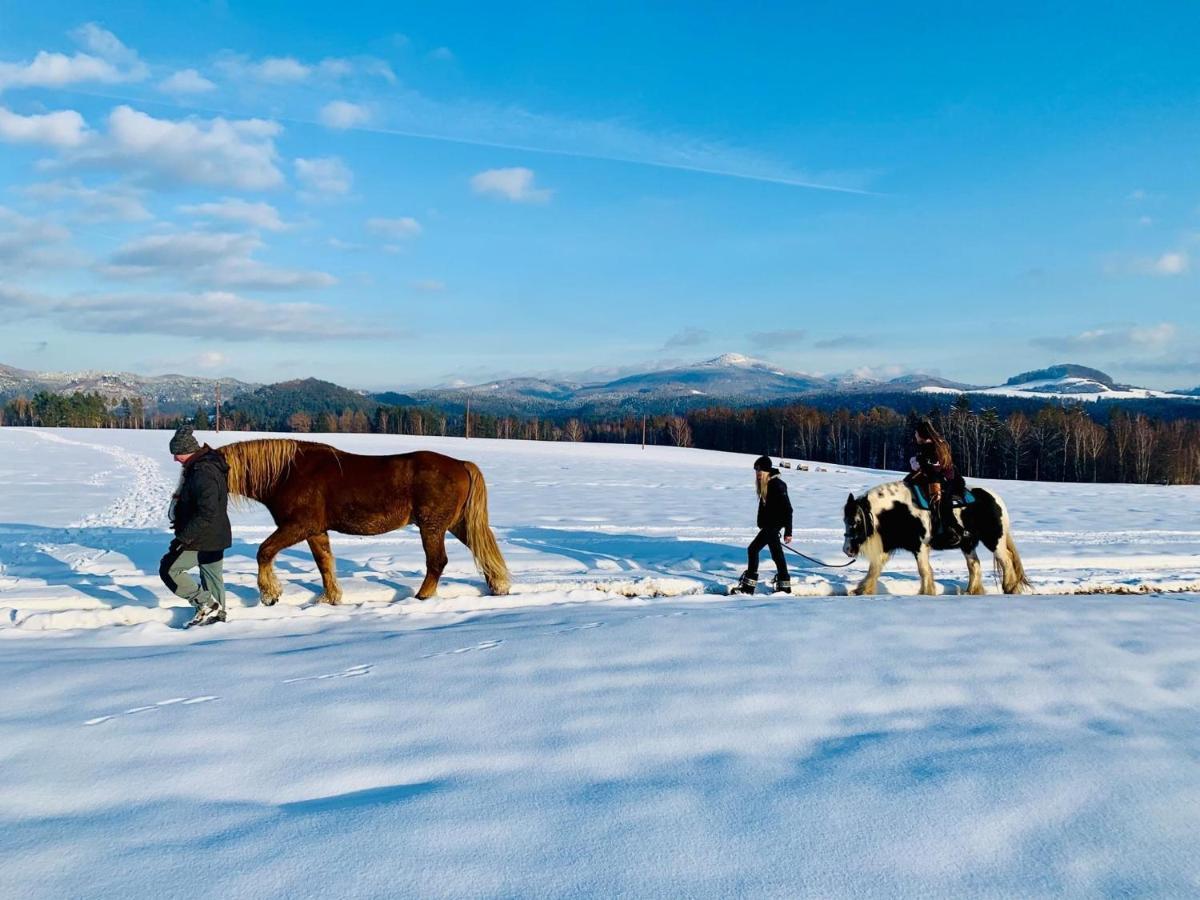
(605, 731)
(80, 544)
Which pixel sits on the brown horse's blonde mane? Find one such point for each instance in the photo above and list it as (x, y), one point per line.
(257, 466)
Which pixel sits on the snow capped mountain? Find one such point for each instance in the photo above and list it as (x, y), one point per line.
(730, 376)
(1065, 381)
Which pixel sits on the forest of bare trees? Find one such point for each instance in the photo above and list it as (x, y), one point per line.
(1051, 443)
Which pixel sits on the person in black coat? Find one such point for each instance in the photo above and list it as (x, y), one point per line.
(200, 516)
(774, 515)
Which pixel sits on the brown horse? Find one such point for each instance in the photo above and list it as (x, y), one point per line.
(311, 489)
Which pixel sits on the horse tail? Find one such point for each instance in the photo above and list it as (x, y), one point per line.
(255, 466)
(480, 539)
(1008, 564)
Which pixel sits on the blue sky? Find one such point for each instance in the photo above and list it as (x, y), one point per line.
(391, 195)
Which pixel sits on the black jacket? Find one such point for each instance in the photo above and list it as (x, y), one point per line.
(200, 510)
(775, 510)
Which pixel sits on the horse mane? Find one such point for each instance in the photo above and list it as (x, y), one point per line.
(256, 466)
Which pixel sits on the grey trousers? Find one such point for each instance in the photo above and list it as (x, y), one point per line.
(174, 572)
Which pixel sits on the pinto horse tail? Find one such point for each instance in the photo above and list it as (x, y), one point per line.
(1008, 565)
(480, 538)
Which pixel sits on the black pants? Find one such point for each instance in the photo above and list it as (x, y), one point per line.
(767, 537)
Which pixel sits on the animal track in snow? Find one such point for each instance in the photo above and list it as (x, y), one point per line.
(571, 628)
(352, 672)
(173, 701)
(482, 645)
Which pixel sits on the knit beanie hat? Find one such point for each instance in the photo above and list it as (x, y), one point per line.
(184, 441)
(763, 464)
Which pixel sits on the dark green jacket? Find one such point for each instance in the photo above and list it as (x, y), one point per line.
(200, 513)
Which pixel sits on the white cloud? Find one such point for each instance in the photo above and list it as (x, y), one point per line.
(108, 62)
(213, 152)
(65, 128)
(396, 229)
(515, 184)
(212, 359)
(282, 70)
(259, 215)
(186, 81)
(27, 244)
(1145, 337)
(429, 286)
(340, 114)
(288, 70)
(107, 203)
(324, 175)
(105, 44)
(1170, 264)
(442, 54)
(233, 317)
(208, 259)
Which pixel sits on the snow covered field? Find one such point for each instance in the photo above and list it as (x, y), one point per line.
(614, 728)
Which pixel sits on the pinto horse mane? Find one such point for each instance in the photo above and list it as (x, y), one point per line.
(256, 466)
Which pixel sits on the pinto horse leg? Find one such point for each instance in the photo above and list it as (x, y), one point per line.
(876, 560)
(323, 555)
(974, 572)
(269, 589)
(925, 570)
(433, 539)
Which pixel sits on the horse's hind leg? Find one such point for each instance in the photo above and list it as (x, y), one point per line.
(433, 539)
(269, 589)
(974, 572)
(323, 555)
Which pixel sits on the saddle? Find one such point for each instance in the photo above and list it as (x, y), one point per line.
(922, 500)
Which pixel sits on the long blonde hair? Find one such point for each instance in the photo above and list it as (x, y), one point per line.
(761, 480)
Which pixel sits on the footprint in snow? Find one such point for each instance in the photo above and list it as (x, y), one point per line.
(352, 672)
(174, 701)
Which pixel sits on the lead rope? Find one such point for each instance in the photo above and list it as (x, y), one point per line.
(818, 562)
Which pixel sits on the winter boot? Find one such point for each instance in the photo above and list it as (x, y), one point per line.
(207, 614)
(782, 585)
(746, 584)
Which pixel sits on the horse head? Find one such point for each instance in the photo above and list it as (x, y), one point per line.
(856, 516)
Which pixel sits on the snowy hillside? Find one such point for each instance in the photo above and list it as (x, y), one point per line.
(613, 728)
(1063, 382)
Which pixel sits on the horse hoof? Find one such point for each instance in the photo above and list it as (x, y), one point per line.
(268, 601)
(332, 601)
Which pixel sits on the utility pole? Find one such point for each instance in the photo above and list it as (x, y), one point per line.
(218, 407)
(467, 431)
(643, 431)
(781, 442)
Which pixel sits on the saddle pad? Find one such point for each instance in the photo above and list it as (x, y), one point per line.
(923, 501)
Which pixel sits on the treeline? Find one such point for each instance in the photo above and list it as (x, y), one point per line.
(1051, 443)
(80, 410)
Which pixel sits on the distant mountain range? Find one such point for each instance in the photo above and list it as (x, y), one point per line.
(741, 381)
(164, 393)
(731, 379)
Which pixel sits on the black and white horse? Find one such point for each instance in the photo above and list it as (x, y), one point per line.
(888, 518)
